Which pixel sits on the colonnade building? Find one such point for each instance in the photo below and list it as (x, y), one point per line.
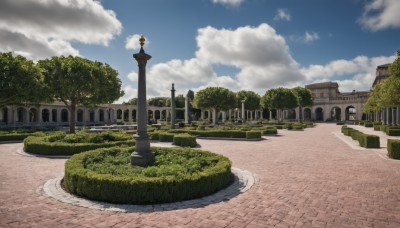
(329, 105)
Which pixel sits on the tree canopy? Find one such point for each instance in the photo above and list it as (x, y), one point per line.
(216, 98)
(20, 81)
(252, 99)
(304, 95)
(75, 80)
(279, 98)
(159, 101)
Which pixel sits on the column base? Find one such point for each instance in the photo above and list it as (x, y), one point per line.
(142, 159)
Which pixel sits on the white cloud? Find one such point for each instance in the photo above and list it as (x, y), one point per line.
(307, 37)
(132, 42)
(282, 14)
(46, 28)
(233, 3)
(361, 69)
(260, 54)
(130, 93)
(381, 14)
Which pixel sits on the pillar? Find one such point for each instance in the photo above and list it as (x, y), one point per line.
(186, 109)
(243, 116)
(223, 116)
(393, 116)
(230, 114)
(142, 156)
(202, 114)
(173, 111)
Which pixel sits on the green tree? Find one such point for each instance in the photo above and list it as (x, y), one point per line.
(158, 101)
(132, 101)
(75, 81)
(304, 97)
(20, 81)
(374, 102)
(252, 100)
(279, 98)
(216, 98)
(391, 86)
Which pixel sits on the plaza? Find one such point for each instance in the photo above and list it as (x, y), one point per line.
(311, 178)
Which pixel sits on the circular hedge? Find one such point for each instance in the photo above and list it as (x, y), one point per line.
(60, 143)
(177, 174)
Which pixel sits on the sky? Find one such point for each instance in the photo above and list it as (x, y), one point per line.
(237, 44)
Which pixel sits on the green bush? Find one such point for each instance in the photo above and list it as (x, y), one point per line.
(154, 135)
(16, 136)
(177, 175)
(340, 123)
(365, 140)
(377, 127)
(368, 124)
(201, 128)
(393, 132)
(272, 131)
(68, 144)
(185, 140)
(253, 134)
(166, 137)
(393, 148)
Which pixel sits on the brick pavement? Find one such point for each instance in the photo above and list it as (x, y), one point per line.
(305, 179)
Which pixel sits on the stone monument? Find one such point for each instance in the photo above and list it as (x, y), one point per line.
(173, 111)
(142, 156)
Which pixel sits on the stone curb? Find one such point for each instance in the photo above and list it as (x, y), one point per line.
(232, 139)
(243, 181)
(21, 152)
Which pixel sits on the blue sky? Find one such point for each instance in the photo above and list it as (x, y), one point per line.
(238, 44)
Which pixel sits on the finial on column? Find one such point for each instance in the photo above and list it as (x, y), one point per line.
(142, 40)
(173, 88)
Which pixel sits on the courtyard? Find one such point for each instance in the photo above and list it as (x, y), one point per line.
(312, 178)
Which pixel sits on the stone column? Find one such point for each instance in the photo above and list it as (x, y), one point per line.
(173, 111)
(223, 116)
(142, 156)
(202, 114)
(230, 114)
(393, 116)
(243, 115)
(398, 116)
(387, 115)
(186, 109)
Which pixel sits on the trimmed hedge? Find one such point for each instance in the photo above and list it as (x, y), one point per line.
(16, 136)
(368, 124)
(340, 123)
(212, 133)
(272, 131)
(253, 134)
(166, 137)
(393, 148)
(365, 140)
(154, 135)
(192, 174)
(185, 140)
(393, 132)
(69, 144)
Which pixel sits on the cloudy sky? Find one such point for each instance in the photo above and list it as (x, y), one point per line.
(237, 44)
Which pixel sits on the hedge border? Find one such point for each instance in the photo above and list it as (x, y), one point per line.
(145, 190)
(393, 148)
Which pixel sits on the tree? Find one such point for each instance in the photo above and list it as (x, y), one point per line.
(20, 80)
(391, 86)
(252, 100)
(216, 98)
(75, 80)
(374, 102)
(158, 101)
(132, 101)
(304, 97)
(279, 98)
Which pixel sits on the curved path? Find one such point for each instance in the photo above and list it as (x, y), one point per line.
(304, 179)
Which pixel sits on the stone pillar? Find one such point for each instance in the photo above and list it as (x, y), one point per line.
(202, 114)
(398, 116)
(209, 116)
(243, 114)
(393, 116)
(173, 111)
(215, 116)
(186, 109)
(230, 114)
(223, 116)
(142, 156)
(387, 115)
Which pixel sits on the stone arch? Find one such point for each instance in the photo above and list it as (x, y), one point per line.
(79, 115)
(33, 115)
(64, 115)
(157, 114)
(319, 114)
(119, 114)
(350, 113)
(134, 115)
(91, 115)
(45, 115)
(54, 115)
(101, 115)
(4, 115)
(126, 115)
(291, 114)
(336, 113)
(307, 114)
(22, 115)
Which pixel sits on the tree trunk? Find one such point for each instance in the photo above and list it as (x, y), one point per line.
(72, 118)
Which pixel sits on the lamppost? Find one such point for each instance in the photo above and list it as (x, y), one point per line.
(142, 156)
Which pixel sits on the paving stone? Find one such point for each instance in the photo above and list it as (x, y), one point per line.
(301, 179)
